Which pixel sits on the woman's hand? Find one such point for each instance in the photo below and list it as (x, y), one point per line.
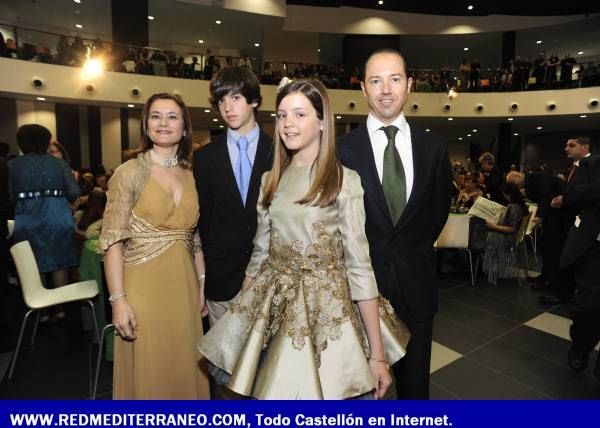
(124, 320)
(382, 376)
(202, 298)
(248, 280)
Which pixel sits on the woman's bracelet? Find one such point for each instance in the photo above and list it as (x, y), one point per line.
(114, 297)
(380, 361)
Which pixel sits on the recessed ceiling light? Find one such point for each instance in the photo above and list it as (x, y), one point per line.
(130, 105)
(200, 41)
(468, 135)
(79, 25)
(583, 115)
(474, 130)
(516, 134)
(470, 7)
(221, 126)
(465, 49)
(206, 110)
(215, 120)
(218, 22)
(318, 50)
(539, 127)
(460, 138)
(150, 17)
(256, 44)
(338, 117)
(510, 118)
(77, 1)
(450, 118)
(539, 42)
(40, 98)
(380, 2)
(428, 130)
(580, 53)
(273, 115)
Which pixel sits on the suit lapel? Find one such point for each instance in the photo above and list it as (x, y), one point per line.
(224, 168)
(365, 166)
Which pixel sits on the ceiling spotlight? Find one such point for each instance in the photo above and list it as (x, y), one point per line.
(460, 138)
(580, 53)
(40, 98)
(468, 135)
(206, 110)
(583, 116)
(338, 117)
(77, 1)
(81, 26)
(130, 105)
(510, 118)
(318, 50)
(221, 126)
(428, 130)
(470, 7)
(380, 2)
(465, 49)
(516, 134)
(200, 41)
(450, 118)
(539, 42)
(218, 22)
(92, 68)
(256, 44)
(539, 127)
(150, 17)
(474, 130)
(215, 120)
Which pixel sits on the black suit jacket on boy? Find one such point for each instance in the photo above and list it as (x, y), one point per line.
(226, 226)
(585, 193)
(402, 254)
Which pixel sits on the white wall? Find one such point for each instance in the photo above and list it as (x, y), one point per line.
(41, 113)
(110, 126)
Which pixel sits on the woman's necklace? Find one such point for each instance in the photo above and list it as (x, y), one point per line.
(167, 163)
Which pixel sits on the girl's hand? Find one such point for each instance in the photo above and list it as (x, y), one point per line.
(381, 373)
(124, 320)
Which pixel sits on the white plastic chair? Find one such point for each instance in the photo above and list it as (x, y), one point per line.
(37, 297)
(455, 235)
(10, 224)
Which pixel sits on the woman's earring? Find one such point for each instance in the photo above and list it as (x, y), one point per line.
(184, 133)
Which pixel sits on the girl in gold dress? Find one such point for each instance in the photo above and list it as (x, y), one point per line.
(153, 269)
(309, 322)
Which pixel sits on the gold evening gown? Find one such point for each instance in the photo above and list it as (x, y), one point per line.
(162, 289)
(296, 333)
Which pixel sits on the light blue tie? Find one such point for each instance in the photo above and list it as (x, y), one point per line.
(244, 169)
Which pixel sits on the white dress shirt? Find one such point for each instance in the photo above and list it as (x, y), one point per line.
(379, 142)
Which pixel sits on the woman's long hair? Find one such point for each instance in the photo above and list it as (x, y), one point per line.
(184, 150)
(327, 180)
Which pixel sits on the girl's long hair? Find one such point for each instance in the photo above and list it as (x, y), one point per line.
(327, 177)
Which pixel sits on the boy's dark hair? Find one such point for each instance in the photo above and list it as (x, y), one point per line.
(33, 139)
(235, 80)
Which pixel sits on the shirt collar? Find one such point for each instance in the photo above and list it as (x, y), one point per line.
(374, 124)
(252, 136)
(576, 163)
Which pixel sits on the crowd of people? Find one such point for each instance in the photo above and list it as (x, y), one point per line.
(303, 250)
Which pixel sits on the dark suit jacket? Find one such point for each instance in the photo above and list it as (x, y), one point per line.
(585, 193)
(227, 227)
(402, 254)
(541, 187)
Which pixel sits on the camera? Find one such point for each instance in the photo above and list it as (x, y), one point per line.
(414, 107)
(593, 102)
(351, 105)
(135, 91)
(37, 82)
(479, 107)
(551, 106)
(514, 106)
(447, 107)
(90, 87)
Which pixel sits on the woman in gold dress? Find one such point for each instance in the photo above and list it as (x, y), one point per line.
(154, 270)
(309, 323)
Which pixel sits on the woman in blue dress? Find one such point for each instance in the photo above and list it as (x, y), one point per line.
(42, 187)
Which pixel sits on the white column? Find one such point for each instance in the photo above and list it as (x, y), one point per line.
(110, 120)
(40, 113)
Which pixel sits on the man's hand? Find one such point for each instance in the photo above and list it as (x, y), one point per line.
(557, 202)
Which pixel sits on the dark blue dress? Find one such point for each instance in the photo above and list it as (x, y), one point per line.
(45, 221)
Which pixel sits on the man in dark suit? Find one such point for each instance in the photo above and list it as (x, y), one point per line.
(493, 178)
(407, 179)
(228, 173)
(582, 252)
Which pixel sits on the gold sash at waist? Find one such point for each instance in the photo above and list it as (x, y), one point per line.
(148, 241)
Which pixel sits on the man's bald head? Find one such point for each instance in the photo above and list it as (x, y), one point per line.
(517, 178)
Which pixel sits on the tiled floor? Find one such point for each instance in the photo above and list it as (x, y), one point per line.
(490, 342)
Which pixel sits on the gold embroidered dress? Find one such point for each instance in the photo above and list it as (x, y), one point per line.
(296, 333)
(160, 282)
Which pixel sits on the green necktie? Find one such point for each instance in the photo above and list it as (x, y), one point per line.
(394, 179)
